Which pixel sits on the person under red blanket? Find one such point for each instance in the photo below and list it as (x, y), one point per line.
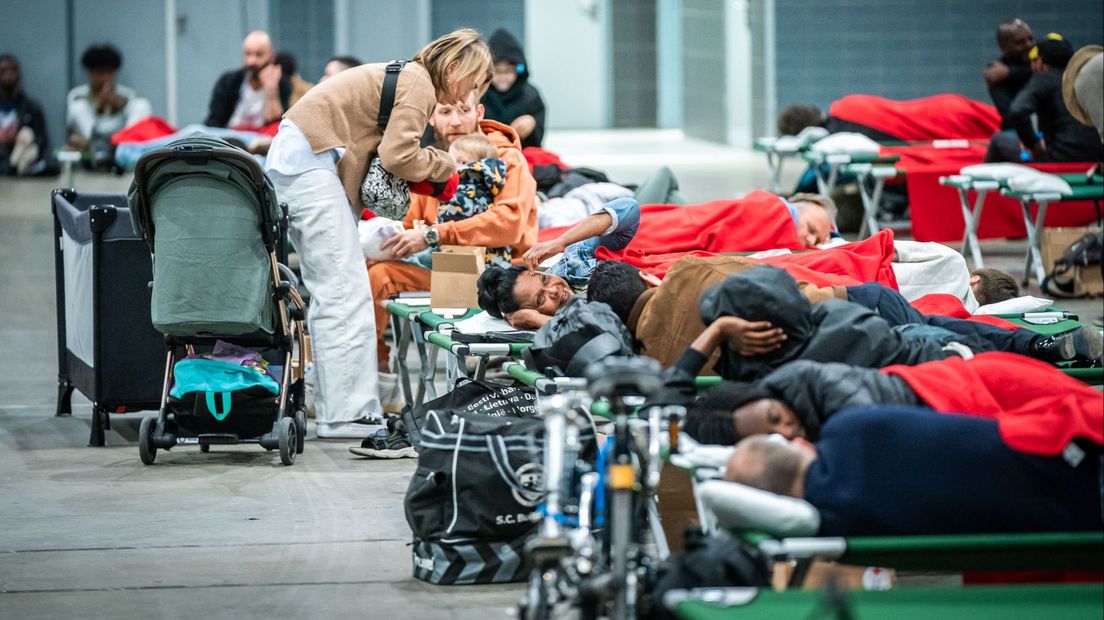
(758, 221)
(1039, 409)
(937, 117)
(893, 470)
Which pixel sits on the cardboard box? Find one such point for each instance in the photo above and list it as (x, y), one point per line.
(1054, 243)
(455, 272)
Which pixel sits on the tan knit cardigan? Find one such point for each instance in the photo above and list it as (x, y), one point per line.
(342, 111)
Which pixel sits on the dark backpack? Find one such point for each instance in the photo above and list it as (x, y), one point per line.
(582, 332)
(471, 397)
(1086, 251)
(708, 562)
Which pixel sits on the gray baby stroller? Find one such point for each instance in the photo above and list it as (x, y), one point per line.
(213, 224)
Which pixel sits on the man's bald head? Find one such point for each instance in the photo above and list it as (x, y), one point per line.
(256, 51)
(1015, 38)
(770, 465)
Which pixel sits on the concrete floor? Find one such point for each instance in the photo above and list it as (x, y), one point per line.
(92, 533)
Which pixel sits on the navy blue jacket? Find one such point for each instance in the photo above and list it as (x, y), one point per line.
(892, 470)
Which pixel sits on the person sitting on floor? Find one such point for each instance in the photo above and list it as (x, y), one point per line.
(883, 471)
(512, 99)
(526, 298)
(289, 66)
(797, 399)
(1063, 138)
(1006, 76)
(337, 64)
(24, 145)
(98, 109)
(254, 96)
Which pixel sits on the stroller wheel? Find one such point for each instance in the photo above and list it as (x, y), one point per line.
(289, 440)
(301, 427)
(146, 450)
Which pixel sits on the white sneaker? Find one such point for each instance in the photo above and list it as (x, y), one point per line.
(347, 430)
(390, 394)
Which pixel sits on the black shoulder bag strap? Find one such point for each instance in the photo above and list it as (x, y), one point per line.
(387, 93)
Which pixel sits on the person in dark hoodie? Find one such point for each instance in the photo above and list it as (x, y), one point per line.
(831, 331)
(511, 99)
(797, 399)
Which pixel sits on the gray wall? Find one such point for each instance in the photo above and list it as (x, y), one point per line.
(381, 30)
(486, 16)
(704, 69)
(634, 56)
(903, 49)
(36, 33)
(306, 30)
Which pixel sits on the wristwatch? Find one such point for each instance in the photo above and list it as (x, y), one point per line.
(431, 236)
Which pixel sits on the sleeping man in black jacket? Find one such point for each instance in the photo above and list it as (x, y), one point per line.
(831, 331)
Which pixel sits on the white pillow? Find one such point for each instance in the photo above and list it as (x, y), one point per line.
(741, 507)
(373, 232)
(793, 144)
(692, 454)
(996, 172)
(1016, 305)
(1039, 182)
(848, 143)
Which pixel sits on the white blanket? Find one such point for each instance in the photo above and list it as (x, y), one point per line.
(923, 268)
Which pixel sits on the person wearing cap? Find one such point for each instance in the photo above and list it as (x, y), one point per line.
(1062, 138)
(511, 99)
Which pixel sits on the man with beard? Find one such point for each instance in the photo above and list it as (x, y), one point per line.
(255, 95)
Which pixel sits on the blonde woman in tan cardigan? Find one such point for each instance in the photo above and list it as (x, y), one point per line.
(317, 162)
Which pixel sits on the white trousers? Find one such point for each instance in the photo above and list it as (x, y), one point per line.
(341, 320)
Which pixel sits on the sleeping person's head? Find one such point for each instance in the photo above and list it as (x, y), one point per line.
(619, 285)
(730, 411)
(816, 215)
(503, 292)
(797, 117)
(992, 286)
(771, 464)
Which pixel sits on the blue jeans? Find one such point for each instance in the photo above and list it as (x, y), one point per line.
(579, 260)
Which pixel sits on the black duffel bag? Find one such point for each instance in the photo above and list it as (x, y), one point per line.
(473, 500)
(472, 397)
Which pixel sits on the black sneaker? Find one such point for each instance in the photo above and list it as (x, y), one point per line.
(391, 443)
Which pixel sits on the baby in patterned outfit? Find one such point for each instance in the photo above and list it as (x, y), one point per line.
(482, 175)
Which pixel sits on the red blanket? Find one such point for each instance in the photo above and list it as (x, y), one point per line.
(1039, 409)
(759, 221)
(537, 156)
(943, 304)
(846, 265)
(865, 261)
(149, 128)
(931, 118)
(934, 208)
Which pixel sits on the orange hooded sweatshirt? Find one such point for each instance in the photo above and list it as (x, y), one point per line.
(512, 219)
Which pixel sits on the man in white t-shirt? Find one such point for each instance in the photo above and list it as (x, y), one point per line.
(255, 95)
